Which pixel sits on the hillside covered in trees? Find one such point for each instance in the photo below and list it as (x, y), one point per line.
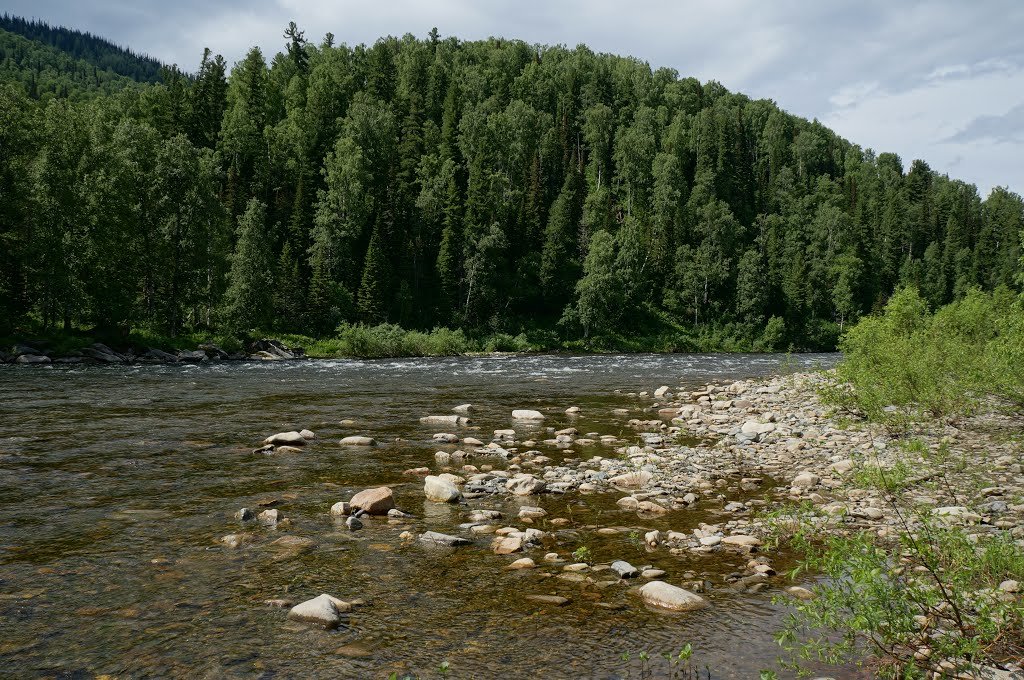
(492, 186)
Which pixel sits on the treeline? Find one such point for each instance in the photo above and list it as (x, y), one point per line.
(103, 54)
(492, 186)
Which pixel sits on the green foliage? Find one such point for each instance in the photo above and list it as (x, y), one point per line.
(449, 183)
(582, 554)
(908, 365)
(937, 591)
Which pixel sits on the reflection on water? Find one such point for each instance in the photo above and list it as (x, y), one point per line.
(117, 482)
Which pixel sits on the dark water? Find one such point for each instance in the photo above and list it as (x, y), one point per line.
(117, 482)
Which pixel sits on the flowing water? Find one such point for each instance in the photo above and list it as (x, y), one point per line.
(116, 484)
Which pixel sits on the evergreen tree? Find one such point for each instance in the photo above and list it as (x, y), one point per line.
(249, 297)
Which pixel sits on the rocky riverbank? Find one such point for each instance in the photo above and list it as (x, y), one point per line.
(701, 483)
(99, 353)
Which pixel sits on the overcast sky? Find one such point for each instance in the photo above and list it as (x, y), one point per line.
(940, 80)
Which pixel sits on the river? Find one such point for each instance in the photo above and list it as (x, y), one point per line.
(116, 484)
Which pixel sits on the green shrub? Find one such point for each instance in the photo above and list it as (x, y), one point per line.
(934, 599)
(908, 365)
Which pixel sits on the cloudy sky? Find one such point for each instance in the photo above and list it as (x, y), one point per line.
(940, 80)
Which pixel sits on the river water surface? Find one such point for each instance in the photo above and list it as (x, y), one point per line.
(116, 484)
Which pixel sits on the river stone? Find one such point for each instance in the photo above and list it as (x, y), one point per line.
(556, 600)
(440, 490)
(529, 512)
(472, 441)
(322, 610)
(232, 541)
(650, 508)
(294, 543)
(443, 539)
(307, 434)
(32, 359)
(527, 414)
(444, 420)
(523, 563)
(572, 410)
(442, 457)
(245, 515)
(525, 485)
(353, 523)
(652, 573)
(800, 593)
(446, 438)
(754, 427)
(340, 509)
(624, 569)
(357, 440)
(270, 517)
(506, 545)
(374, 501)
(742, 540)
(668, 596)
(463, 408)
(632, 480)
(661, 391)
(805, 480)
(842, 466)
(286, 439)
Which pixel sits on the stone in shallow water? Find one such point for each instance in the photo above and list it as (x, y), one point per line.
(322, 610)
(443, 539)
(527, 414)
(356, 440)
(524, 563)
(354, 650)
(668, 596)
(374, 501)
(440, 490)
(506, 545)
(286, 439)
(556, 600)
(624, 569)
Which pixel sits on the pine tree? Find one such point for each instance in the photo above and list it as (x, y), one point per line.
(374, 287)
(249, 298)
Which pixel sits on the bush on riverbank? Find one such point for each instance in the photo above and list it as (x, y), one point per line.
(927, 595)
(909, 365)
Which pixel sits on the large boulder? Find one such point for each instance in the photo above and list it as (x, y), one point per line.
(322, 610)
(441, 490)
(285, 439)
(668, 596)
(374, 501)
(32, 359)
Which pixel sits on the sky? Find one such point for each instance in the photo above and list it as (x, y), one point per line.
(941, 80)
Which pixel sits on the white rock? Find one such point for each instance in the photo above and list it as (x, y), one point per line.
(322, 610)
(357, 440)
(524, 485)
(440, 490)
(633, 480)
(286, 439)
(463, 408)
(527, 414)
(444, 420)
(668, 596)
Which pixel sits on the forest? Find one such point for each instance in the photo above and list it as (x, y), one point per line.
(583, 200)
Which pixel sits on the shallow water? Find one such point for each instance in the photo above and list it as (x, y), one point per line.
(117, 482)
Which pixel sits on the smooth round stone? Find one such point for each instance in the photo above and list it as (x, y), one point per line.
(709, 541)
(652, 573)
(523, 563)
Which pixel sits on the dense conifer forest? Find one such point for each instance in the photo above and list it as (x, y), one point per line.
(492, 186)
